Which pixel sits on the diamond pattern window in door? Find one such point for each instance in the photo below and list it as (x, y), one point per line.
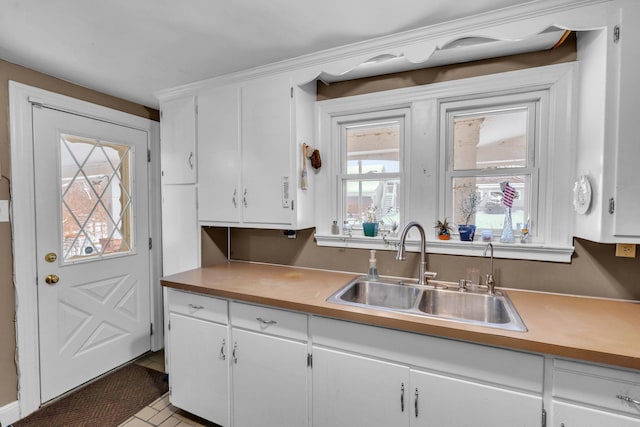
(96, 199)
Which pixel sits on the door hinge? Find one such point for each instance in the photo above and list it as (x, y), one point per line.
(616, 34)
(150, 243)
(612, 206)
(291, 92)
(168, 326)
(150, 328)
(148, 155)
(544, 417)
(310, 360)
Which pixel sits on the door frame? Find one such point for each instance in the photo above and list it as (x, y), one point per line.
(21, 99)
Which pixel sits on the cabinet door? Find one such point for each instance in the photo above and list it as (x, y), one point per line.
(351, 390)
(198, 367)
(446, 401)
(269, 381)
(266, 151)
(178, 141)
(567, 415)
(219, 195)
(180, 231)
(627, 185)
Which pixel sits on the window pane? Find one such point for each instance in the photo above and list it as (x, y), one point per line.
(373, 148)
(484, 193)
(496, 139)
(95, 198)
(378, 197)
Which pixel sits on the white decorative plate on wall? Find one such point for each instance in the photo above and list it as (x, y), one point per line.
(582, 195)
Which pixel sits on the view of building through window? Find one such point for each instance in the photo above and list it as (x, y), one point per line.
(95, 198)
(488, 148)
(371, 172)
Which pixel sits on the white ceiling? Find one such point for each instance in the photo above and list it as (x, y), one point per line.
(133, 48)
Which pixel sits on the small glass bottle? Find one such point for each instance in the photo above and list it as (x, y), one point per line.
(334, 228)
(346, 229)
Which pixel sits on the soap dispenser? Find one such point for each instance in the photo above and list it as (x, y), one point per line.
(373, 270)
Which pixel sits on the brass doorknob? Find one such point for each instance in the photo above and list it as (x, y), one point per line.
(51, 257)
(51, 279)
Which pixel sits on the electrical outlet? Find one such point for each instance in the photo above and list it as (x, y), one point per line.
(4, 211)
(625, 250)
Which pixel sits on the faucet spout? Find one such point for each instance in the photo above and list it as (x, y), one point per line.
(490, 281)
(401, 255)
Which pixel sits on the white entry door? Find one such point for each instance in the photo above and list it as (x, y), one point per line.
(92, 247)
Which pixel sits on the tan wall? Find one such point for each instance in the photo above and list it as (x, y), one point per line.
(8, 71)
(594, 269)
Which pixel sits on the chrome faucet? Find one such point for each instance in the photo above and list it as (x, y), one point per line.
(490, 281)
(401, 255)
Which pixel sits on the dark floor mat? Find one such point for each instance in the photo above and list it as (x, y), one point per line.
(106, 402)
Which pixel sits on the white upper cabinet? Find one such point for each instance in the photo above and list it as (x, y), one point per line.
(267, 174)
(178, 141)
(219, 191)
(250, 157)
(608, 129)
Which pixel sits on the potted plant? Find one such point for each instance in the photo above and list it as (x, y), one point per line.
(370, 222)
(468, 207)
(444, 229)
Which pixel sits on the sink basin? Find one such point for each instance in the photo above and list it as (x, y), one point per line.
(473, 307)
(379, 294)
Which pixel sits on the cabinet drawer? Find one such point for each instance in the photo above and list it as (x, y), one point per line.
(597, 385)
(198, 306)
(269, 320)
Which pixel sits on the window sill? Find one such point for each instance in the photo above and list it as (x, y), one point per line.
(526, 251)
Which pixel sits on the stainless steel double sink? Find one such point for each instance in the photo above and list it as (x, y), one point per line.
(471, 306)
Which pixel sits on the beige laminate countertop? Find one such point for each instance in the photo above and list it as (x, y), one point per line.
(589, 329)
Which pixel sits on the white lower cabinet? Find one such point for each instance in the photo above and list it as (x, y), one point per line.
(587, 395)
(244, 365)
(364, 375)
(440, 400)
(352, 390)
(197, 352)
(568, 415)
(269, 364)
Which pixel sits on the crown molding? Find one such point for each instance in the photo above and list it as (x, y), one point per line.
(511, 23)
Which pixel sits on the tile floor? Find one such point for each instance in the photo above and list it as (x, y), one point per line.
(161, 412)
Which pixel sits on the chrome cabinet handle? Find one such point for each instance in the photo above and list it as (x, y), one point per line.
(234, 353)
(266, 322)
(628, 399)
(244, 198)
(190, 161)
(222, 355)
(195, 307)
(415, 404)
(233, 199)
(402, 397)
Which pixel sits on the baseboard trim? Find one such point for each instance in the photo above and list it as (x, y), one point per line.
(9, 413)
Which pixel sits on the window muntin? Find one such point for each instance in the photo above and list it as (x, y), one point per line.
(96, 198)
(371, 164)
(489, 141)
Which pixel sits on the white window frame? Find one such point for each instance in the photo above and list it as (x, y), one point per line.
(537, 104)
(342, 123)
(424, 178)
